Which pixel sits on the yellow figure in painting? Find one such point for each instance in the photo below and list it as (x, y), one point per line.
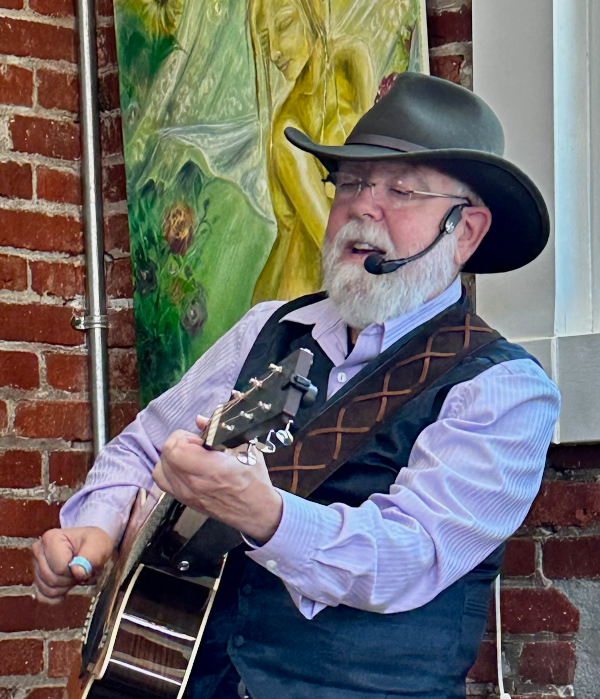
(328, 83)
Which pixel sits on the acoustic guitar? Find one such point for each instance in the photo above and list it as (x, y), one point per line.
(145, 626)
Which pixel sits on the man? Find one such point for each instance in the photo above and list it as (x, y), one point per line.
(378, 585)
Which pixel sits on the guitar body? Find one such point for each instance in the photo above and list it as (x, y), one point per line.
(159, 630)
(145, 625)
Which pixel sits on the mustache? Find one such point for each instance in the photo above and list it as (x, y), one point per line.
(352, 232)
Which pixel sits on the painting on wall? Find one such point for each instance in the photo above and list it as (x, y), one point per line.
(223, 211)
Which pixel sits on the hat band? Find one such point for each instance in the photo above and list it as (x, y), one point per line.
(367, 139)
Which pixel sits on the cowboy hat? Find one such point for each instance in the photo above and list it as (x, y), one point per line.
(430, 121)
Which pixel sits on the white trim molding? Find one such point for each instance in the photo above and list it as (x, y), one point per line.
(537, 64)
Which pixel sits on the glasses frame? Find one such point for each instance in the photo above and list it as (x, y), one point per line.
(331, 177)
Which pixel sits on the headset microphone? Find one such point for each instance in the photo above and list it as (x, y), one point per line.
(376, 264)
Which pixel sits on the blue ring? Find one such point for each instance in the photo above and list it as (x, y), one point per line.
(83, 562)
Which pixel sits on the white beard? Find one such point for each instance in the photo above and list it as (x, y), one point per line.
(363, 298)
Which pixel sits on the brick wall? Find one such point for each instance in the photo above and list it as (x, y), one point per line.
(551, 564)
(44, 409)
(551, 639)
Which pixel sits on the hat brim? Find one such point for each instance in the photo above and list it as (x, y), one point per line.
(520, 222)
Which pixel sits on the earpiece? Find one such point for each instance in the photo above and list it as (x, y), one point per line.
(452, 219)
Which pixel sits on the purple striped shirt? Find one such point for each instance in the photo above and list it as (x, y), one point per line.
(469, 483)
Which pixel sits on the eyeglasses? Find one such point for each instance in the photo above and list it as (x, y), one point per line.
(390, 193)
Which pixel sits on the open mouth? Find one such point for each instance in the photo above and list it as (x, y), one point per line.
(364, 249)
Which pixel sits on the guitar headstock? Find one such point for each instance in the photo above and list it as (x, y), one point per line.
(269, 403)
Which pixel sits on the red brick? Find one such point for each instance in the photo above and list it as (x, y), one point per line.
(108, 92)
(39, 323)
(107, 47)
(548, 663)
(582, 456)
(121, 332)
(447, 67)
(560, 503)
(15, 179)
(69, 467)
(16, 85)
(49, 693)
(111, 135)
(58, 90)
(34, 231)
(16, 566)
(572, 558)
(58, 185)
(116, 233)
(62, 656)
(484, 669)
(13, 273)
(20, 469)
(123, 370)
(53, 8)
(53, 419)
(62, 279)
(24, 38)
(67, 372)
(121, 415)
(105, 8)
(118, 279)
(519, 559)
(12, 5)
(19, 370)
(26, 614)
(27, 518)
(50, 137)
(3, 415)
(22, 656)
(449, 27)
(114, 187)
(527, 610)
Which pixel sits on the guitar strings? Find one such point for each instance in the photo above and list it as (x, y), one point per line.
(231, 404)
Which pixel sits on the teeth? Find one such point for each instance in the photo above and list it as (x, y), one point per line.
(363, 246)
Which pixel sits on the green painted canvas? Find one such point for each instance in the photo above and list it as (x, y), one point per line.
(223, 211)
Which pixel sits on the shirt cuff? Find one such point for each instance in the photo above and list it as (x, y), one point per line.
(99, 515)
(289, 553)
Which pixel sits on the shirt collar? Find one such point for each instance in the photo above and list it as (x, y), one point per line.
(331, 331)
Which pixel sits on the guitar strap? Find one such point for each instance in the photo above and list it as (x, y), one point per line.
(355, 414)
(362, 407)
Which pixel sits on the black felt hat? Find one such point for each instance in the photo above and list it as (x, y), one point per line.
(434, 122)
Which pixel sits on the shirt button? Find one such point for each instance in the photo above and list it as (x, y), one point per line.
(342, 377)
(238, 641)
(247, 589)
(271, 566)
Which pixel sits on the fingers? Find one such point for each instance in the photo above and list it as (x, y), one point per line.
(53, 552)
(201, 422)
(51, 586)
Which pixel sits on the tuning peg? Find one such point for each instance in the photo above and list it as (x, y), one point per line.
(247, 457)
(285, 436)
(269, 447)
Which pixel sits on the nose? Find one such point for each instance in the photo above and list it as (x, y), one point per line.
(365, 206)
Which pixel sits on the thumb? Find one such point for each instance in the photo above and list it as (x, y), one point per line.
(94, 547)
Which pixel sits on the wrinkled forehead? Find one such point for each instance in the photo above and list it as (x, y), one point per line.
(420, 175)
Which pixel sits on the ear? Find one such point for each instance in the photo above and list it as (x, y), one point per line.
(476, 222)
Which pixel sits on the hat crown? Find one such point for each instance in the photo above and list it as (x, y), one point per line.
(433, 114)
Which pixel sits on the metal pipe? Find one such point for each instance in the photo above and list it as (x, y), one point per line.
(96, 321)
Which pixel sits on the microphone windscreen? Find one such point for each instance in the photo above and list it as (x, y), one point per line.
(373, 263)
